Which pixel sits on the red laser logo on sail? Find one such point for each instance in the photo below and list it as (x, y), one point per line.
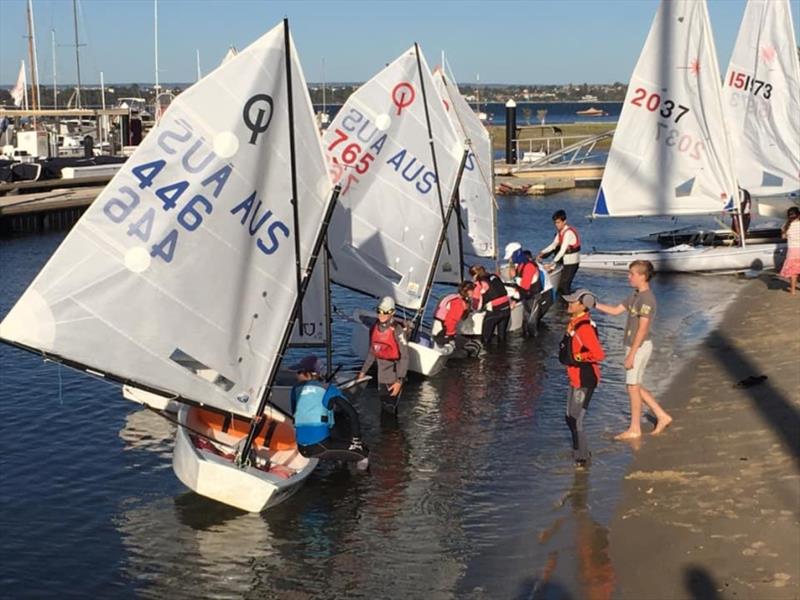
(403, 95)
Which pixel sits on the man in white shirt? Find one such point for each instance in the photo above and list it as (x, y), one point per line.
(567, 247)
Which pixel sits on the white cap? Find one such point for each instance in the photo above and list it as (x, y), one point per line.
(510, 249)
(386, 304)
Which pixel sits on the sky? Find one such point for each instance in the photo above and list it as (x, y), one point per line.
(516, 42)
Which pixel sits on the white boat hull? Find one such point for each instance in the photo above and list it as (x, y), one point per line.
(421, 359)
(250, 489)
(473, 324)
(692, 259)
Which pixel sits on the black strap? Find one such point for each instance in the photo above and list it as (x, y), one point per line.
(273, 425)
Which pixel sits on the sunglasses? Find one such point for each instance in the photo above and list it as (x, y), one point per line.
(385, 312)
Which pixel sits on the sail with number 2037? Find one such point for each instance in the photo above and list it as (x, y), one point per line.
(671, 153)
(181, 276)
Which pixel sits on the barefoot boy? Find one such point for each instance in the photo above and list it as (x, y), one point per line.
(641, 309)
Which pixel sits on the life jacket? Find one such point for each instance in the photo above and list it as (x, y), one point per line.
(496, 295)
(573, 248)
(384, 342)
(565, 354)
(444, 306)
(313, 412)
(536, 286)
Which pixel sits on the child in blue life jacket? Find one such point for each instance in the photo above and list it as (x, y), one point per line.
(327, 426)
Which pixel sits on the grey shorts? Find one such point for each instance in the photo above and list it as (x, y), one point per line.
(635, 375)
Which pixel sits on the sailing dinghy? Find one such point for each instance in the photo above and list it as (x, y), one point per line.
(398, 159)
(761, 93)
(671, 153)
(199, 252)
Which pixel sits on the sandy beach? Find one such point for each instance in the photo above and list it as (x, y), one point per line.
(711, 509)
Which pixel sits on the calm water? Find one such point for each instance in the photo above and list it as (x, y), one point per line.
(527, 112)
(471, 492)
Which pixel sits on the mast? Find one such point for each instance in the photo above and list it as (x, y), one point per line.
(77, 52)
(292, 161)
(55, 87)
(35, 98)
(328, 316)
(199, 74)
(442, 239)
(302, 283)
(432, 146)
(156, 87)
(324, 100)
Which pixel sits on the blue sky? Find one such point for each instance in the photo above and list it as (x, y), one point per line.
(543, 41)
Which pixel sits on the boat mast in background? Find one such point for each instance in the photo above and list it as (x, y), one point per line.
(199, 74)
(55, 86)
(35, 97)
(156, 87)
(77, 53)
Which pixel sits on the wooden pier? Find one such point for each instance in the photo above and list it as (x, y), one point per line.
(54, 210)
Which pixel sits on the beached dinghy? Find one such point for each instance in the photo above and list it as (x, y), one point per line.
(187, 273)
(671, 153)
(692, 259)
(399, 160)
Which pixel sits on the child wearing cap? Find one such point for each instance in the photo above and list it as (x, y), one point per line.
(581, 352)
(387, 347)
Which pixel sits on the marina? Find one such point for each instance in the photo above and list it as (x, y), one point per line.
(424, 338)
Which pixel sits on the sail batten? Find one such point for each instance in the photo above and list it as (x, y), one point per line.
(181, 275)
(672, 126)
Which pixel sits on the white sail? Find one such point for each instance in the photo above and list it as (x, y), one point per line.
(386, 226)
(181, 275)
(476, 191)
(762, 93)
(311, 331)
(671, 153)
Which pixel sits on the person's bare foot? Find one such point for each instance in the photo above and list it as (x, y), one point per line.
(628, 435)
(663, 423)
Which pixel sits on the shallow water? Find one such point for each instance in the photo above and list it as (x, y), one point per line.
(471, 491)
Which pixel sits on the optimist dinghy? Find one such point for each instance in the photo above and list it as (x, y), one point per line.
(399, 161)
(185, 277)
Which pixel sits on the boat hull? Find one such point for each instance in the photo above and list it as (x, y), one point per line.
(249, 489)
(692, 259)
(422, 359)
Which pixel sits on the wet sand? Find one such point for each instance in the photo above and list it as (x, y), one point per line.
(711, 508)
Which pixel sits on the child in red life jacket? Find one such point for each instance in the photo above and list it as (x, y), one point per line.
(387, 347)
(494, 300)
(450, 311)
(580, 351)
